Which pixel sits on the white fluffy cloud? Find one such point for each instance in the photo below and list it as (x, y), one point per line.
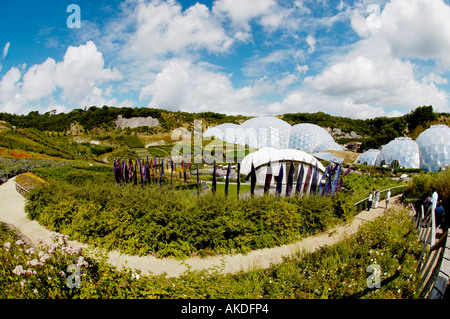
(241, 12)
(79, 75)
(413, 28)
(378, 79)
(418, 29)
(163, 28)
(5, 49)
(376, 70)
(182, 85)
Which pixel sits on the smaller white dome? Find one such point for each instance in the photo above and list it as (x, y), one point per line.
(403, 149)
(368, 157)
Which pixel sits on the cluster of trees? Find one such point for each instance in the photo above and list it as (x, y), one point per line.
(376, 132)
(104, 117)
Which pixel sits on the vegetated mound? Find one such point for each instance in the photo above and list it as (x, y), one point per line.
(171, 220)
(86, 205)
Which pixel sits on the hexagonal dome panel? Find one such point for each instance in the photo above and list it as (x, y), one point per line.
(369, 157)
(434, 147)
(403, 149)
(311, 138)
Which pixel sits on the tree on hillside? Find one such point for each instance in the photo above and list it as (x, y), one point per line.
(420, 116)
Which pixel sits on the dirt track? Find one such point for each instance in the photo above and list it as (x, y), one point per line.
(12, 212)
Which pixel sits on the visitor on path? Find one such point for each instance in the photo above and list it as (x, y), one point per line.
(440, 214)
(388, 197)
(377, 198)
(369, 201)
(433, 201)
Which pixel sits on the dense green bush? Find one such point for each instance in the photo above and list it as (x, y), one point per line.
(421, 186)
(132, 141)
(171, 222)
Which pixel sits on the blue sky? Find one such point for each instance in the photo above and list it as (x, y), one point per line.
(360, 59)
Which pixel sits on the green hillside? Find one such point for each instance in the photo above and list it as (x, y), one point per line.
(54, 134)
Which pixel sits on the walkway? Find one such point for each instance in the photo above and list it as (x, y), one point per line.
(12, 212)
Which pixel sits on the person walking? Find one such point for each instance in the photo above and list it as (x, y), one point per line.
(388, 197)
(377, 198)
(434, 199)
(440, 214)
(369, 201)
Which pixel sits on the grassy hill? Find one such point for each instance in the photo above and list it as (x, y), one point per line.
(56, 135)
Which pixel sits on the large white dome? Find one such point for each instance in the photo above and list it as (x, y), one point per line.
(402, 149)
(434, 147)
(312, 138)
(268, 131)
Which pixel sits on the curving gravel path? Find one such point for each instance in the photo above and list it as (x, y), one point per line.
(12, 212)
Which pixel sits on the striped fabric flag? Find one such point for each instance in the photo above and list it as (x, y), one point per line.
(198, 182)
(298, 187)
(328, 183)
(322, 180)
(238, 179)
(279, 180)
(290, 179)
(171, 170)
(116, 177)
(336, 179)
(268, 178)
(315, 179)
(340, 180)
(252, 180)
(227, 179)
(139, 166)
(135, 174)
(308, 178)
(214, 180)
(124, 168)
(147, 171)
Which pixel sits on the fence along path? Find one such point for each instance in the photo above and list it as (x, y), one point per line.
(12, 212)
(434, 260)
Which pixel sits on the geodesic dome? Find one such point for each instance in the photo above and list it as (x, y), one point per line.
(311, 138)
(403, 149)
(268, 131)
(369, 157)
(434, 147)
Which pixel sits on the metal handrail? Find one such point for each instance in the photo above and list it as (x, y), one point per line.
(385, 190)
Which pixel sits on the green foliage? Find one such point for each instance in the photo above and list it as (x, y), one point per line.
(359, 185)
(101, 149)
(332, 272)
(85, 205)
(420, 116)
(421, 187)
(132, 141)
(35, 141)
(77, 175)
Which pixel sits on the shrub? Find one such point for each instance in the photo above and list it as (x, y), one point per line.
(167, 221)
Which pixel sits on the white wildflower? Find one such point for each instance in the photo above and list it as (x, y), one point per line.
(33, 262)
(18, 270)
